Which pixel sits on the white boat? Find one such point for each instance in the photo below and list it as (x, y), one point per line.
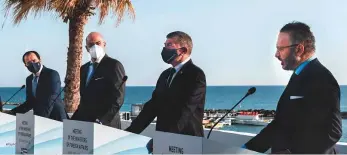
(251, 118)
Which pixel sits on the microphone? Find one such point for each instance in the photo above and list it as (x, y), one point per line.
(250, 92)
(23, 86)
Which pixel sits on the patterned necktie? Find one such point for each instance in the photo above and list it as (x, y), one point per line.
(172, 72)
(34, 85)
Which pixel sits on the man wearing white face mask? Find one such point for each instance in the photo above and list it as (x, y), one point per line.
(101, 86)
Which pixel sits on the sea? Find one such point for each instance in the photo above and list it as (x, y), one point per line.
(217, 97)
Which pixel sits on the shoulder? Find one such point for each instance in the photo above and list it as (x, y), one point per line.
(320, 74)
(29, 77)
(51, 73)
(113, 63)
(195, 70)
(85, 65)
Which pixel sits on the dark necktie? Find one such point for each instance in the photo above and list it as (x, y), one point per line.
(172, 72)
(34, 85)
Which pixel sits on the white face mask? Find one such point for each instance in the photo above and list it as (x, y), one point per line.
(96, 52)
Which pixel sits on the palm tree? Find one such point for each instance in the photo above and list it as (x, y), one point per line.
(76, 13)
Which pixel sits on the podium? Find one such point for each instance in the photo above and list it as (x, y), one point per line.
(7, 133)
(170, 143)
(37, 135)
(81, 137)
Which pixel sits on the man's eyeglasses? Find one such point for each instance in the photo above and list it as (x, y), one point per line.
(284, 47)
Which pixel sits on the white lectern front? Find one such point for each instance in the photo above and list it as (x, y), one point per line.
(38, 135)
(90, 138)
(7, 133)
(170, 143)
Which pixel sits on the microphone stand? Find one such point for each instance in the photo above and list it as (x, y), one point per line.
(208, 136)
(1, 108)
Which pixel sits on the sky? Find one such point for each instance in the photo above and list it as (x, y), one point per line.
(234, 40)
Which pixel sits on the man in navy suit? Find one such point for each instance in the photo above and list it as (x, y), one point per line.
(42, 88)
(308, 119)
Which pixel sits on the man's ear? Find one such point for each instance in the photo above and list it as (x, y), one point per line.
(184, 49)
(300, 50)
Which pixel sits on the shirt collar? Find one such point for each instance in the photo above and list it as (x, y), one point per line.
(301, 67)
(179, 66)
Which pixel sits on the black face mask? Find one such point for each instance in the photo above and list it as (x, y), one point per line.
(169, 55)
(34, 67)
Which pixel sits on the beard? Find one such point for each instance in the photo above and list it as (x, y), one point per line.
(290, 61)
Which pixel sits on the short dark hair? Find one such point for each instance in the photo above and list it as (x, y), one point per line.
(183, 39)
(300, 33)
(27, 53)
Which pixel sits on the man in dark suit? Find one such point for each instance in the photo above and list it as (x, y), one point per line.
(101, 87)
(42, 89)
(179, 97)
(308, 116)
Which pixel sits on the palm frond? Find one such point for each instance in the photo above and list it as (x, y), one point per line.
(21, 8)
(67, 8)
(116, 7)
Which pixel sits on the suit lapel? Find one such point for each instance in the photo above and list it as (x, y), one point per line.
(180, 73)
(30, 85)
(41, 79)
(97, 70)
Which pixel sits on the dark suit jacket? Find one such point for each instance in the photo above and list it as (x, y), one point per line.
(180, 108)
(47, 90)
(101, 99)
(311, 124)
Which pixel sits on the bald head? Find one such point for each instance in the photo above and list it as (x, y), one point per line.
(95, 38)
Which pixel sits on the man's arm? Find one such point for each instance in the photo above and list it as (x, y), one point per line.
(196, 98)
(116, 97)
(46, 104)
(262, 141)
(146, 116)
(319, 128)
(22, 108)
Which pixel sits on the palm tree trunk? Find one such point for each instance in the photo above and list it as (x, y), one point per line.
(74, 57)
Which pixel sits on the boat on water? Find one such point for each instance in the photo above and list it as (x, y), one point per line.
(251, 118)
(208, 123)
